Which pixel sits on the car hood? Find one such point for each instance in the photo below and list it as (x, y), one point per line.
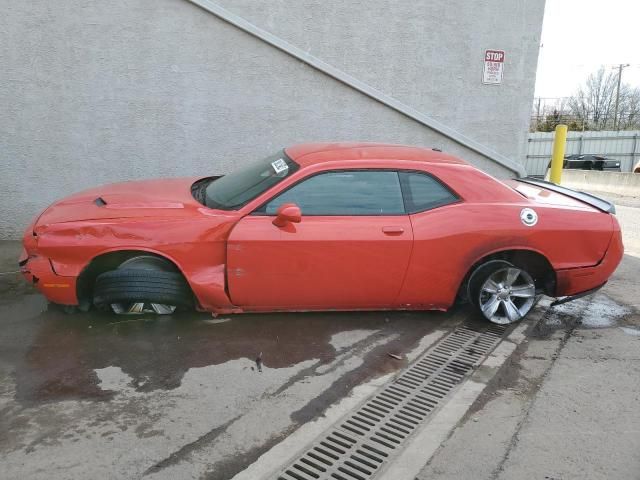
(147, 198)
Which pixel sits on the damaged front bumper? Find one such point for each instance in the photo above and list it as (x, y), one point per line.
(38, 271)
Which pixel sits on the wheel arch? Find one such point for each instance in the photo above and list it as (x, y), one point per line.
(109, 260)
(533, 261)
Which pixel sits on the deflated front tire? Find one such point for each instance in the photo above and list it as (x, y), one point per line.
(142, 285)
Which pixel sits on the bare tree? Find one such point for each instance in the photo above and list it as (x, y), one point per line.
(593, 105)
(629, 116)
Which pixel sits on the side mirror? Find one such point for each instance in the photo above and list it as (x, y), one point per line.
(287, 212)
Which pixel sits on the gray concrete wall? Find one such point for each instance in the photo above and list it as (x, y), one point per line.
(618, 183)
(95, 92)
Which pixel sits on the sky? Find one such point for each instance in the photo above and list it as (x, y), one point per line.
(580, 35)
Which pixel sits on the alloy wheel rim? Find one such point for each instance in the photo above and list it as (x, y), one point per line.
(507, 295)
(137, 308)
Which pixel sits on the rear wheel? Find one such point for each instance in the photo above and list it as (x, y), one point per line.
(143, 284)
(502, 292)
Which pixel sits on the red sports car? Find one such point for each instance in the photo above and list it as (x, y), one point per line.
(325, 227)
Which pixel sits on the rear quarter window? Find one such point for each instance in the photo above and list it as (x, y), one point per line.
(423, 192)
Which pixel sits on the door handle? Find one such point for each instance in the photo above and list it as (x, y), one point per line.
(393, 230)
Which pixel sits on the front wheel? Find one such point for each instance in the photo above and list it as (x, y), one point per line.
(502, 293)
(143, 284)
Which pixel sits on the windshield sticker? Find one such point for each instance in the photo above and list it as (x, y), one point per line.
(280, 166)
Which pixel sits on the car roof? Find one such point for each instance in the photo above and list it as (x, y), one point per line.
(311, 153)
(588, 156)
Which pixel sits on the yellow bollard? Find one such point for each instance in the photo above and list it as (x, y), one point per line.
(557, 157)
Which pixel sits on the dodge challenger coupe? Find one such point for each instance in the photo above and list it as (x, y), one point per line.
(355, 226)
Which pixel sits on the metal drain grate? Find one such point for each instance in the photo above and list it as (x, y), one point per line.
(360, 443)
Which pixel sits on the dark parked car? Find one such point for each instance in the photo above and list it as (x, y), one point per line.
(590, 162)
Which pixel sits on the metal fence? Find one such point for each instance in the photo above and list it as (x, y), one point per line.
(622, 145)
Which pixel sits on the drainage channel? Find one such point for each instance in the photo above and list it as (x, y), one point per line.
(361, 443)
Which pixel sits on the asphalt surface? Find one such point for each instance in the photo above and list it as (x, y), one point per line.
(187, 396)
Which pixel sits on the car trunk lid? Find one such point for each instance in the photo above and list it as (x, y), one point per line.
(552, 194)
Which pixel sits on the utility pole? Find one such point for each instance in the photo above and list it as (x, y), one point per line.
(615, 115)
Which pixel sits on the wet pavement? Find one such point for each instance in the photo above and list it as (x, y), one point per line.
(185, 396)
(55, 355)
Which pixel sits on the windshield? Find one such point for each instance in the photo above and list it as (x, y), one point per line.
(236, 189)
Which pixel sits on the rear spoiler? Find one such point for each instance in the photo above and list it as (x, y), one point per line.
(596, 202)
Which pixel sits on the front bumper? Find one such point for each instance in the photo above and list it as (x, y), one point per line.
(38, 271)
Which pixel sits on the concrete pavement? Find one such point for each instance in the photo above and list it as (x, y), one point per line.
(564, 406)
(567, 403)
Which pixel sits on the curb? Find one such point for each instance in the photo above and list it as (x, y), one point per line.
(430, 438)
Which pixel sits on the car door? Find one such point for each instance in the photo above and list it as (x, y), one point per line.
(350, 250)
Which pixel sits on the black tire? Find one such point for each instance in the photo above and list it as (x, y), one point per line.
(141, 285)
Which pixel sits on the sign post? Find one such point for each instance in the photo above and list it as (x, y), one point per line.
(493, 67)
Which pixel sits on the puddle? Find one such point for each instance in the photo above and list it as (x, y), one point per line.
(631, 331)
(342, 340)
(113, 378)
(595, 311)
(55, 356)
(603, 312)
(215, 321)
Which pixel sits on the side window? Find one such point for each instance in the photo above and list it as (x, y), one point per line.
(344, 193)
(423, 192)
